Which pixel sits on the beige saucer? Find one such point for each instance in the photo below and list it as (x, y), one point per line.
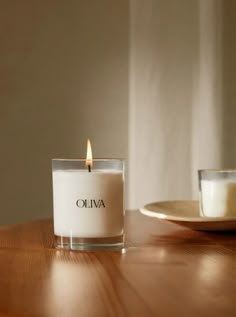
(186, 213)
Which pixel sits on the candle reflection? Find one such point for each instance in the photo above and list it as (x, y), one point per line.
(211, 270)
(80, 280)
(70, 286)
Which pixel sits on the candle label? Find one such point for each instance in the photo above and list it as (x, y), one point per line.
(90, 203)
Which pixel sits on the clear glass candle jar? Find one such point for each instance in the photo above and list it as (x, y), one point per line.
(217, 190)
(88, 205)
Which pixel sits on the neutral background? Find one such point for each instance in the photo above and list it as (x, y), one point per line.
(152, 81)
(63, 78)
(182, 95)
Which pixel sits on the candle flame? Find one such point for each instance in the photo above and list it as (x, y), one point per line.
(89, 158)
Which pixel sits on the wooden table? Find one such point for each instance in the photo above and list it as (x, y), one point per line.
(167, 271)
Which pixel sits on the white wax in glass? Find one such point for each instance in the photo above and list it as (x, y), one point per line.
(218, 198)
(88, 204)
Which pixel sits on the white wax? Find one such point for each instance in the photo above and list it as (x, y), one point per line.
(88, 204)
(218, 198)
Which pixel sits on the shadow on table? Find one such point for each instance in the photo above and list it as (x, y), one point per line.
(195, 237)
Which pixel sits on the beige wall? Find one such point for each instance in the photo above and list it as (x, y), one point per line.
(63, 78)
(229, 83)
(65, 75)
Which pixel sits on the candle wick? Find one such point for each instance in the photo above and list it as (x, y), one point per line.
(89, 168)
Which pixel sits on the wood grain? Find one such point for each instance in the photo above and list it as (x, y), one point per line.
(166, 271)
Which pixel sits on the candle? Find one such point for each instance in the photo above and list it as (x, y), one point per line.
(88, 201)
(218, 193)
(88, 204)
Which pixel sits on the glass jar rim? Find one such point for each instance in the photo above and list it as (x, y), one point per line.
(217, 170)
(84, 159)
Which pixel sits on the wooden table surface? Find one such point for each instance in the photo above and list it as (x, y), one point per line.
(167, 270)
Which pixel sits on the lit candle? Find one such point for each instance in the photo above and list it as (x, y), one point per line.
(89, 158)
(88, 200)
